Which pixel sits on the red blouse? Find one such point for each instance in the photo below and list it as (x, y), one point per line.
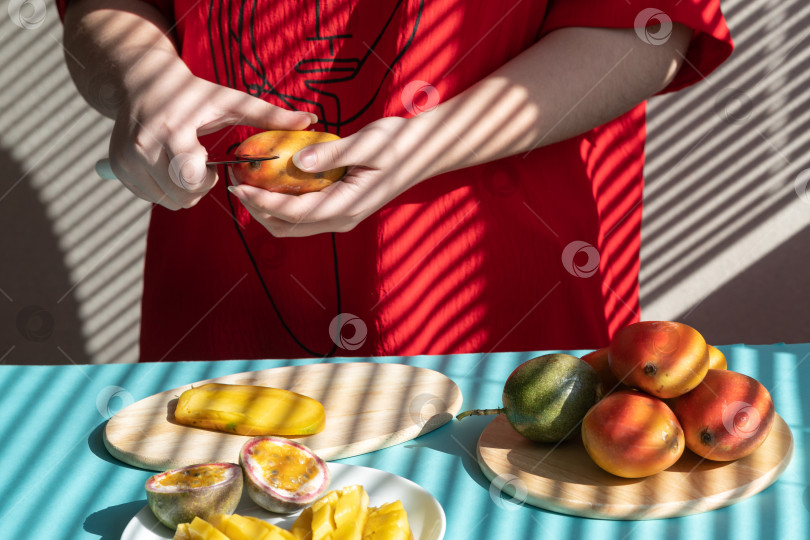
(536, 251)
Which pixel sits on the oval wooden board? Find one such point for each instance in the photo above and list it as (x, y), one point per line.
(563, 478)
(368, 406)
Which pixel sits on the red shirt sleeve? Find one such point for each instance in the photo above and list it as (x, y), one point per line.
(165, 6)
(711, 42)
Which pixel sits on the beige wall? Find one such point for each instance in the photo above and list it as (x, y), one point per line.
(725, 236)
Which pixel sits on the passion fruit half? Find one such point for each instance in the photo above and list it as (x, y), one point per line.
(281, 475)
(179, 495)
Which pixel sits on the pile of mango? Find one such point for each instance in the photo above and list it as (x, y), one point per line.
(665, 390)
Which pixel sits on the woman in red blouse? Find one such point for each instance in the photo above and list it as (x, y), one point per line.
(495, 154)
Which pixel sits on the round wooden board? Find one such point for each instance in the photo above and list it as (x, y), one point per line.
(563, 478)
(368, 406)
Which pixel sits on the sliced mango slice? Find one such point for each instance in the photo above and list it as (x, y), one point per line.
(274, 532)
(350, 515)
(339, 515)
(238, 527)
(388, 522)
(302, 528)
(182, 533)
(250, 410)
(198, 529)
(323, 516)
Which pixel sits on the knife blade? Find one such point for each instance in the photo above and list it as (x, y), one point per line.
(104, 170)
(228, 160)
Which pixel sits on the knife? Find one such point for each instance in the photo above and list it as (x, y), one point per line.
(104, 170)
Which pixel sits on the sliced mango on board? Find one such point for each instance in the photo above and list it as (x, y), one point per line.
(250, 410)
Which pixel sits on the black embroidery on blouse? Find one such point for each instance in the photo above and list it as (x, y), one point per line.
(238, 64)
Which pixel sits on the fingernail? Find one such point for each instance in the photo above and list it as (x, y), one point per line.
(187, 171)
(305, 159)
(189, 177)
(234, 191)
(313, 119)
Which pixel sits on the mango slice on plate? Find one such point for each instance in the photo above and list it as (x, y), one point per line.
(323, 515)
(250, 410)
(387, 522)
(302, 527)
(237, 527)
(344, 514)
(351, 511)
(198, 529)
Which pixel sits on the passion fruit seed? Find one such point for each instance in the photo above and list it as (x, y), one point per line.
(294, 477)
(191, 478)
(282, 476)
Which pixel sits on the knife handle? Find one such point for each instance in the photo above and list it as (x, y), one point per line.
(104, 170)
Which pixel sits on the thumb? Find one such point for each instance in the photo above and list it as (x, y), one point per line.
(327, 155)
(187, 169)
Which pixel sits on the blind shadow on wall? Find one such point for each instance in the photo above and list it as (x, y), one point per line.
(726, 217)
(72, 244)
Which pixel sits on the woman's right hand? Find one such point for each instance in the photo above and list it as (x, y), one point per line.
(154, 149)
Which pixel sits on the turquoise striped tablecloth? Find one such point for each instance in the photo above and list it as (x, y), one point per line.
(59, 482)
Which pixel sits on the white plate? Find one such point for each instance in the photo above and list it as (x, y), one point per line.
(425, 514)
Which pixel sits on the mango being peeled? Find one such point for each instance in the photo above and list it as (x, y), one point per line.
(250, 410)
(281, 175)
(180, 495)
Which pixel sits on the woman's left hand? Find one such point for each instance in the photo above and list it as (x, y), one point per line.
(377, 172)
(567, 83)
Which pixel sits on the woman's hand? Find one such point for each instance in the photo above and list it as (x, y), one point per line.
(124, 61)
(379, 169)
(569, 82)
(154, 148)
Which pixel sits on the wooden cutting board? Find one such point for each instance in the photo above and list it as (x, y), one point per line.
(564, 479)
(368, 406)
